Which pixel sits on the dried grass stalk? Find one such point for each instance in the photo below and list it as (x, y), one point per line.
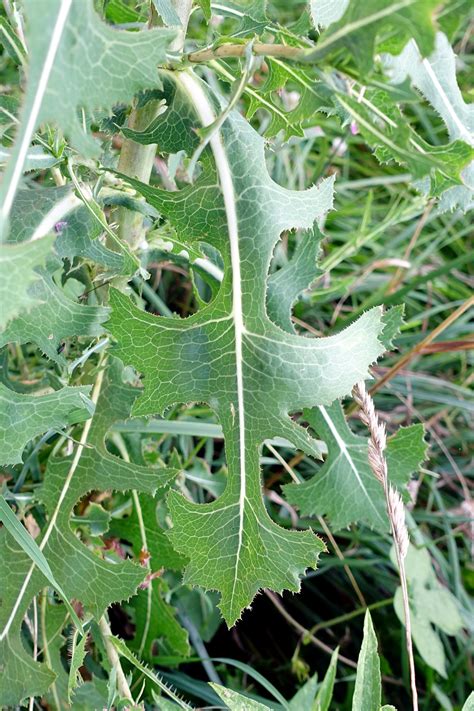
(395, 509)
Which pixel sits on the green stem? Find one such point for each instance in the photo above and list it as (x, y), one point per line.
(136, 160)
(238, 50)
(114, 659)
(350, 615)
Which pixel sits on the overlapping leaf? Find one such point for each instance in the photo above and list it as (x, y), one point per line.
(97, 470)
(286, 284)
(82, 574)
(232, 356)
(76, 228)
(345, 488)
(131, 528)
(17, 274)
(345, 476)
(357, 26)
(55, 317)
(103, 65)
(383, 126)
(157, 630)
(435, 78)
(23, 417)
(310, 97)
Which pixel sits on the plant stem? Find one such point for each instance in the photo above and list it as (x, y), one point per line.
(238, 50)
(350, 615)
(119, 442)
(45, 650)
(114, 659)
(324, 526)
(307, 635)
(304, 632)
(136, 160)
(395, 511)
(398, 276)
(416, 350)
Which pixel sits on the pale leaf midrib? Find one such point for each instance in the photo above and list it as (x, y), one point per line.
(207, 117)
(27, 134)
(346, 454)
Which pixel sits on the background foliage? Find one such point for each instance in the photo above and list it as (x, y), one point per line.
(349, 100)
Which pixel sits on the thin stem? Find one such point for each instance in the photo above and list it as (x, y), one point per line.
(340, 555)
(323, 524)
(67, 482)
(350, 615)
(45, 650)
(303, 631)
(136, 160)
(398, 276)
(118, 439)
(417, 350)
(314, 640)
(238, 50)
(237, 91)
(395, 511)
(408, 634)
(114, 659)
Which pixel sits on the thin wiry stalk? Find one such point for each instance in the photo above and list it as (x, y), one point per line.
(45, 650)
(395, 510)
(114, 659)
(323, 525)
(35, 645)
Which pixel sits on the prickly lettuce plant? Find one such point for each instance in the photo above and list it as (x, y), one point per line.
(130, 141)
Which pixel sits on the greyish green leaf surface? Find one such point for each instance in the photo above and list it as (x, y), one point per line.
(435, 78)
(103, 65)
(54, 318)
(345, 489)
(82, 574)
(469, 705)
(97, 470)
(305, 697)
(432, 606)
(36, 159)
(286, 284)
(31, 548)
(360, 103)
(232, 356)
(23, 417)
(358, 25)
(78, 233)
(381, 123)
(325, 12)
(17, 274)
